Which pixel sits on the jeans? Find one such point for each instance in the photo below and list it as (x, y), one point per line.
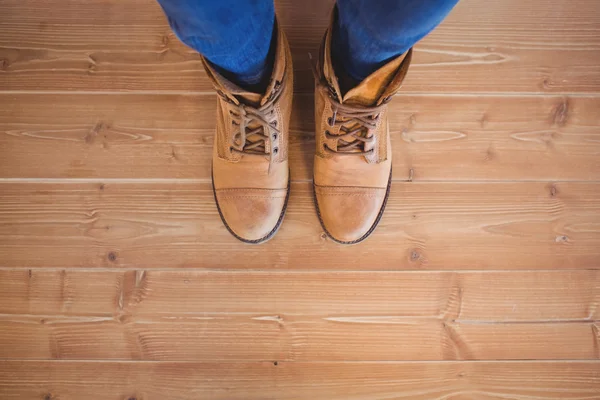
(236, 35)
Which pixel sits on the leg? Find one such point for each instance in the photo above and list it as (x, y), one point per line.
(368, 34)
(234, 35)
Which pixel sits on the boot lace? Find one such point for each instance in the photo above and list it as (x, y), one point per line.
(256, 129)
(356, 123)
(356, 127)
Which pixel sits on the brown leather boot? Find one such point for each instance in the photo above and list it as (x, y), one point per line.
(250, 170)
(353, 160)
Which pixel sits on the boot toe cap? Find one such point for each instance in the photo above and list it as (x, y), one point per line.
(251, 215)
(349, 214)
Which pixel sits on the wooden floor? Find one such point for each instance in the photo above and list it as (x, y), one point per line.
(118, 280)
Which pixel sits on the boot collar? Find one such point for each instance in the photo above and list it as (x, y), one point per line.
(375, 89)
(238, 95)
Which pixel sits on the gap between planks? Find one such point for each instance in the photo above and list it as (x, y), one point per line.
(213, 93)
(191, 181)
(302, 362)
(286, 271)
(381, 319)
(109, 361)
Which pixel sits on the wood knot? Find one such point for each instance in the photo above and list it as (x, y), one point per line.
(560, 113)
(415, 255)
(91, 135)
(546, 83)
(206, 139)
(174, 154)
(48, 396)
(489, 153)
(412, 120)
(483, 120)
(101, 187)
(406, 137)
(553, 191)
(562, 239)
(275, 363)
(140, 278)
(112, 256)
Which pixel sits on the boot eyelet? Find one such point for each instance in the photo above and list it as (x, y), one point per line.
(329, 121)
(274, 136)
(275, 151)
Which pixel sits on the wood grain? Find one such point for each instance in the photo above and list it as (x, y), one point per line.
(469, 296)
(124, 284)
(291, 338)
(71, 380)
(433, 226)
(537, 47)
(171, 136)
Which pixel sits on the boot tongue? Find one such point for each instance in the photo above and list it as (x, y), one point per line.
(231, 90)
(249, 98)
(370, 91)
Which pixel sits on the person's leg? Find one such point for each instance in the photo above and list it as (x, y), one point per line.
(234, 35)
(368, 34)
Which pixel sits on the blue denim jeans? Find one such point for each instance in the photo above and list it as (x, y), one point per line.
(236, 35)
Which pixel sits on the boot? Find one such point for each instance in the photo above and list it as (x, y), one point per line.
(250, 172)
(353, 160)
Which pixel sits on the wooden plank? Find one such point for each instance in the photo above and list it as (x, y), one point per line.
(171, 136)
(291, 338)
(454, 226)
(73, 380)
(470, 296)
(537, 47)
(68, 292)
(94, 45)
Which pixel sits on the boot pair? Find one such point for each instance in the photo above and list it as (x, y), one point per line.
(353, 159)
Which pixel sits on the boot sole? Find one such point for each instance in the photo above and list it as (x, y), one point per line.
(371, 229)
(268, 235)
